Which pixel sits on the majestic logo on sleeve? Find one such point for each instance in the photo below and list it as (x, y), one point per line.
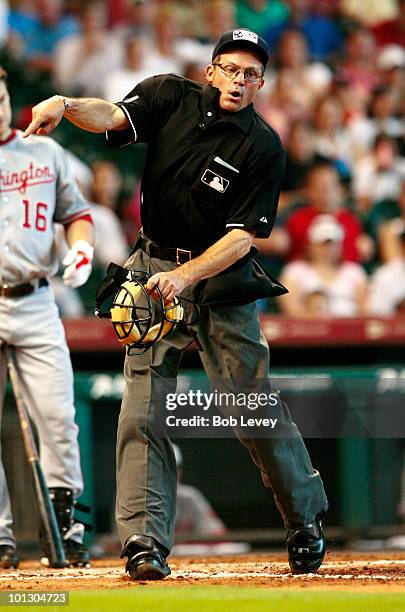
(19, 181)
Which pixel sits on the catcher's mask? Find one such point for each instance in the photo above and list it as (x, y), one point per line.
(137, 321)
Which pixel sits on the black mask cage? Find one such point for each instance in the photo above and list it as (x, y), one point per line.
(139, 320)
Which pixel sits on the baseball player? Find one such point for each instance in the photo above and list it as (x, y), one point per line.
(211, 184)
(194, 513)
(36, 190)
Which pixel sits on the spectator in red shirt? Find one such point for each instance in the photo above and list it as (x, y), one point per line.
(393, 31)
(324, 195)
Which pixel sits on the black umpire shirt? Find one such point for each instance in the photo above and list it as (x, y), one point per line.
(206, 172)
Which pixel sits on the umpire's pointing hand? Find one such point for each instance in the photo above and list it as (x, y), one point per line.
(170, 284)
(46, 116)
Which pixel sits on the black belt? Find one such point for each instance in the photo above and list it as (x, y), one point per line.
(179, 256)
(15, 291)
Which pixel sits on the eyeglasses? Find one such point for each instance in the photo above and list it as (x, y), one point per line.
(231, 71)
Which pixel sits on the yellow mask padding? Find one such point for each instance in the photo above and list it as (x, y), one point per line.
(121, 316)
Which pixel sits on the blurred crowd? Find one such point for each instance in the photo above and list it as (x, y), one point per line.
(335, 92)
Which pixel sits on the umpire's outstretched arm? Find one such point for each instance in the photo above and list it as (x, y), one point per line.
(91, 114)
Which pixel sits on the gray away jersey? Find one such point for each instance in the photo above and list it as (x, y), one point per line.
(37, 189)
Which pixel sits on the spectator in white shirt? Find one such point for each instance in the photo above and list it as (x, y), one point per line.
(378, 176)
(383, 116)
(387, 287)
(82, 60)
(119, 83)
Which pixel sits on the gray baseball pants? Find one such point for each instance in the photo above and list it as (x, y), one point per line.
(32, 325)
(233, 347)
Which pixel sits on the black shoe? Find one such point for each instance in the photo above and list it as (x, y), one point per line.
(306, 548)
(8, 557)
(145, 560)
(76, 554)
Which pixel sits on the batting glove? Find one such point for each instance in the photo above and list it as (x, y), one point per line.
(78, 261)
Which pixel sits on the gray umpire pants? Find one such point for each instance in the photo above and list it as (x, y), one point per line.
(233, 347)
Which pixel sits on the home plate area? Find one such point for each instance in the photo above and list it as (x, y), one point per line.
(341, 569)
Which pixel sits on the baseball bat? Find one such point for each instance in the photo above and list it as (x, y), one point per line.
(47, 517)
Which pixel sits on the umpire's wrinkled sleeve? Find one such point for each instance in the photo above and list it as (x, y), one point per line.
(146, 108)
(255, 206)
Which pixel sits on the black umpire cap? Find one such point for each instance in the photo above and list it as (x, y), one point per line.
(240, 38)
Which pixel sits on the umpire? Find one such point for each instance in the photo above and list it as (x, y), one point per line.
(210, 185)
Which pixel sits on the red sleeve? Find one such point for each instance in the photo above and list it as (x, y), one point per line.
(297, 227)
(86, 217)
(353, 229)
(389, 32)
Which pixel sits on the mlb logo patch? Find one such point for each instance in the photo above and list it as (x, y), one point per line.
(245, 35)
(215, 181)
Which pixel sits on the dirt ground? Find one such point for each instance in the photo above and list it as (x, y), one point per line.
(366, 571)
